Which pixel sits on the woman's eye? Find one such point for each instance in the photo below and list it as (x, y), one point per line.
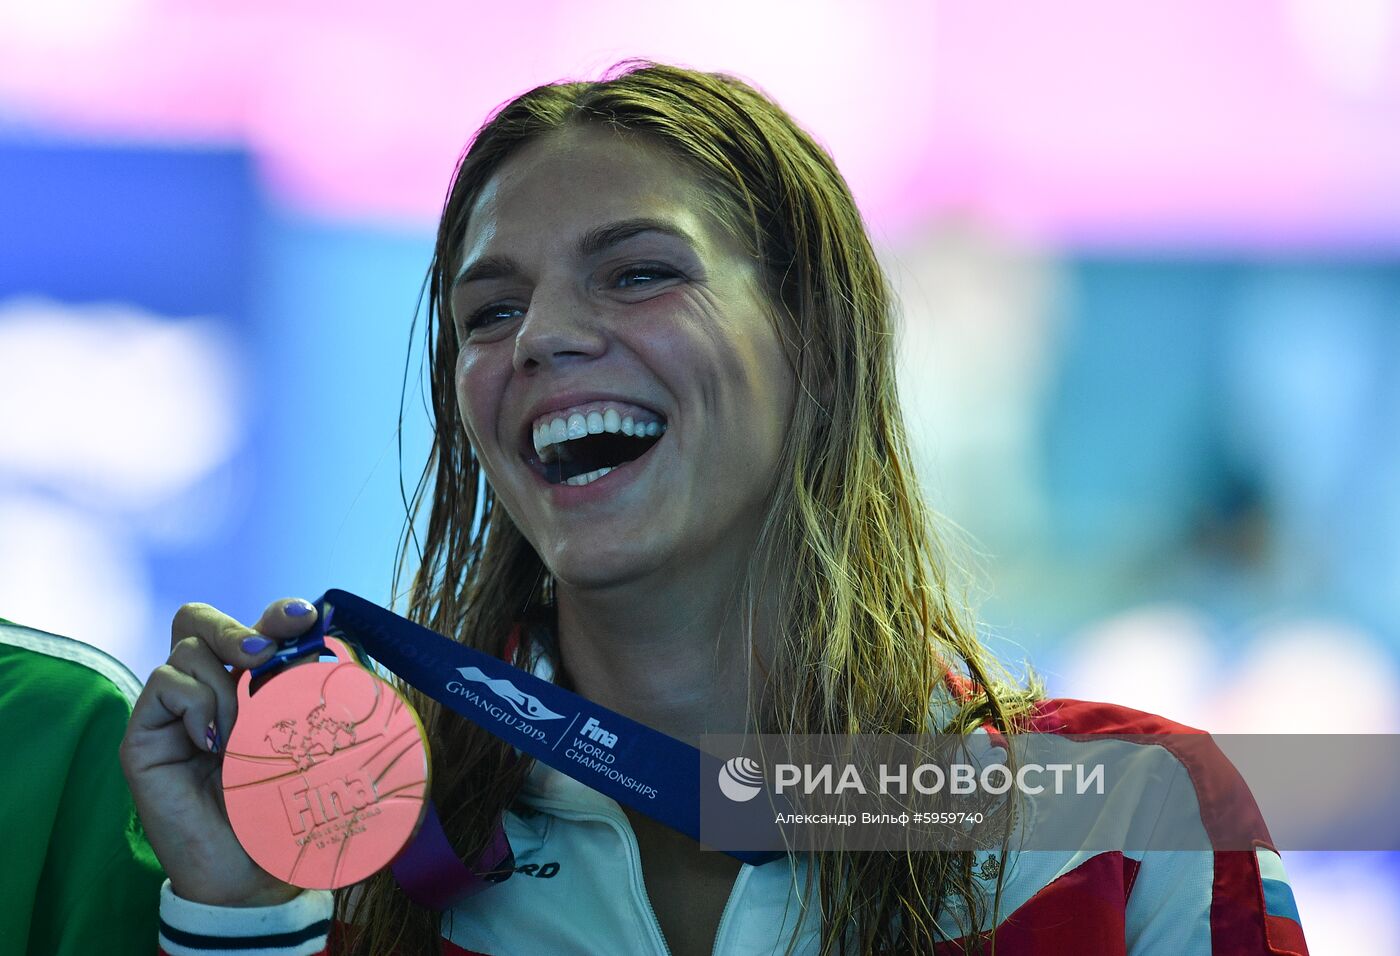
(491, 314)
(644, 276)
(632, 277)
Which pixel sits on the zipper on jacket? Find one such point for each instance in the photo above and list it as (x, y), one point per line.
(734, 892)
(634, 859)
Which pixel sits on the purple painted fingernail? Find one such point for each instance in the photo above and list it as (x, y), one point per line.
(212, 740)
(297, 608)
(255, 644)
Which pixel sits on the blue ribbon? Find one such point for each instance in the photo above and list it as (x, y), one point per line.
(651, 772)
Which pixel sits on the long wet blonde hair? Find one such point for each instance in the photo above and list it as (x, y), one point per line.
(868, 606)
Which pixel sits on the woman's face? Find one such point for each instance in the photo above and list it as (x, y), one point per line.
(606, 321)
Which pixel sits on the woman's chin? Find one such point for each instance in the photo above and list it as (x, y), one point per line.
(602, 570)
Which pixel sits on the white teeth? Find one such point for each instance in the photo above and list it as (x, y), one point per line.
(587, 479)
(548, 435)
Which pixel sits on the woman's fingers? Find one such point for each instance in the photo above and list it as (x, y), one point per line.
(170, 696)
(195, 658)
(286, 618)
(204, 641)
(230, 641)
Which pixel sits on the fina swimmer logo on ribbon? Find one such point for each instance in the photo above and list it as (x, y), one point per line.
(522, 703)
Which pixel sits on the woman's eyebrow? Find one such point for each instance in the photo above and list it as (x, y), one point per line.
(601, 238)
(487, 267)
(596, 240)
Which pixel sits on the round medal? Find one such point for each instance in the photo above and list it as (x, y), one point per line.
(326, 772)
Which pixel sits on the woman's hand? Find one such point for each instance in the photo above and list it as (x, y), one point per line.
(173, 751)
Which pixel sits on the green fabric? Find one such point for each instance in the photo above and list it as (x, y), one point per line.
(78, 876)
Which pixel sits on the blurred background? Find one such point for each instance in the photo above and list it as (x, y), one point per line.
(1149, 257)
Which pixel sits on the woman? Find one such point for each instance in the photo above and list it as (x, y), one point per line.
(658, 331)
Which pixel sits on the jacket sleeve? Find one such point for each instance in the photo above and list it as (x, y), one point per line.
(78, 875)
(299, 927)
(1228, 895)
(1185, 903)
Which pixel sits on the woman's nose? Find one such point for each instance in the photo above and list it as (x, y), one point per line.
(558, 327)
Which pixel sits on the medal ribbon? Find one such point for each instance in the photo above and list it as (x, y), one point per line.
(639, 767)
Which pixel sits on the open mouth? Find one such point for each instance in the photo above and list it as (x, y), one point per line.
(577, 446)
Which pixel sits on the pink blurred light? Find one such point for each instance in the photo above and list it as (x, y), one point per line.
(1082, 120)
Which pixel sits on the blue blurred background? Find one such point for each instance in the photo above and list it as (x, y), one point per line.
(1149, 262)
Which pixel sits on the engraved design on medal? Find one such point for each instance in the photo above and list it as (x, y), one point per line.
(326, 772)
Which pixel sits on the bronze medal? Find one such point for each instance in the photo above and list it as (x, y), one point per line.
(325, 774)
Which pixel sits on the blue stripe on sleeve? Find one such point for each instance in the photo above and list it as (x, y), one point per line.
(1278, 899)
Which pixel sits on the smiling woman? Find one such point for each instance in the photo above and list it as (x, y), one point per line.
(670, 473)
(610, 296)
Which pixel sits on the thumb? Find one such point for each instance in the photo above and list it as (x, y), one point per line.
(288, 617)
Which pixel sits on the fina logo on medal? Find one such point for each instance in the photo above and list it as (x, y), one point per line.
(522, 703)
(740, 779)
